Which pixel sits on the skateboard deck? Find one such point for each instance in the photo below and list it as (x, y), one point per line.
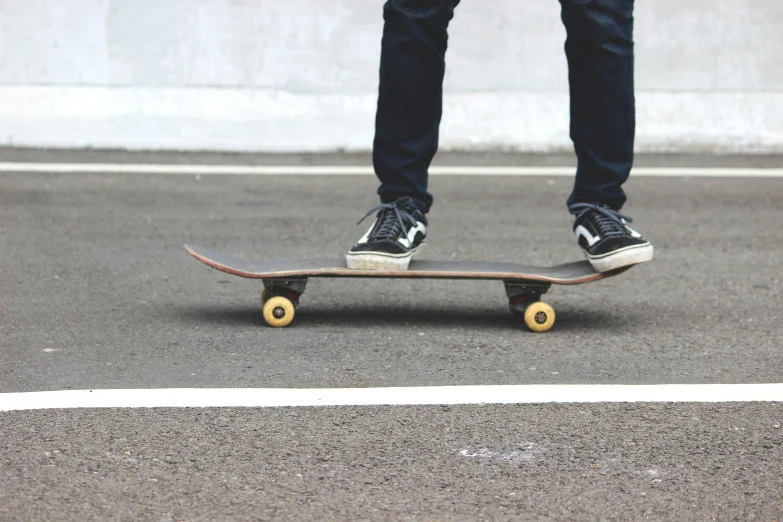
(285, 280)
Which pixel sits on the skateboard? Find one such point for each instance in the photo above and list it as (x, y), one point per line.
(285, 280)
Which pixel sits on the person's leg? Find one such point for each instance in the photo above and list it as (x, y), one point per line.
(599, 49)
(413, 51)
(408, 117)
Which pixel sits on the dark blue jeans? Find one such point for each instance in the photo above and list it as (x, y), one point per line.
(599, 49)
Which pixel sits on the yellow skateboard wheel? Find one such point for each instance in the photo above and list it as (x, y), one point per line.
(278, 312)
(539, 317)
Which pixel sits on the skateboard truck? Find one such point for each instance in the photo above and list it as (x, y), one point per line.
(524, 299)
(279, 299)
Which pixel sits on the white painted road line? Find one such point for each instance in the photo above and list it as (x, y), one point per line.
(429, 395)
(305, 170)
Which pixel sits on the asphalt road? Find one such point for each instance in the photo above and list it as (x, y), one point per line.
(97, 292)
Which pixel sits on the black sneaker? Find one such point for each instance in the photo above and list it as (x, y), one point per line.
(396, 236)
(606, 239)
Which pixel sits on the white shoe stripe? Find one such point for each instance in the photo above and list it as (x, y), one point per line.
(582, 231)
(408, 241)
(366, 235)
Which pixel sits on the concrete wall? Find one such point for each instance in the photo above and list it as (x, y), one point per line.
(289, 75)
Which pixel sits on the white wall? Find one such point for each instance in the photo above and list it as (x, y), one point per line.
(290, 75)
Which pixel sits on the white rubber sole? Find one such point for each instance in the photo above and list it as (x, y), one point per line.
(628, 256)
(381, 261)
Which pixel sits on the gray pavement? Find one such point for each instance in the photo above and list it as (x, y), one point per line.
(566, 462)
(97, 292)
